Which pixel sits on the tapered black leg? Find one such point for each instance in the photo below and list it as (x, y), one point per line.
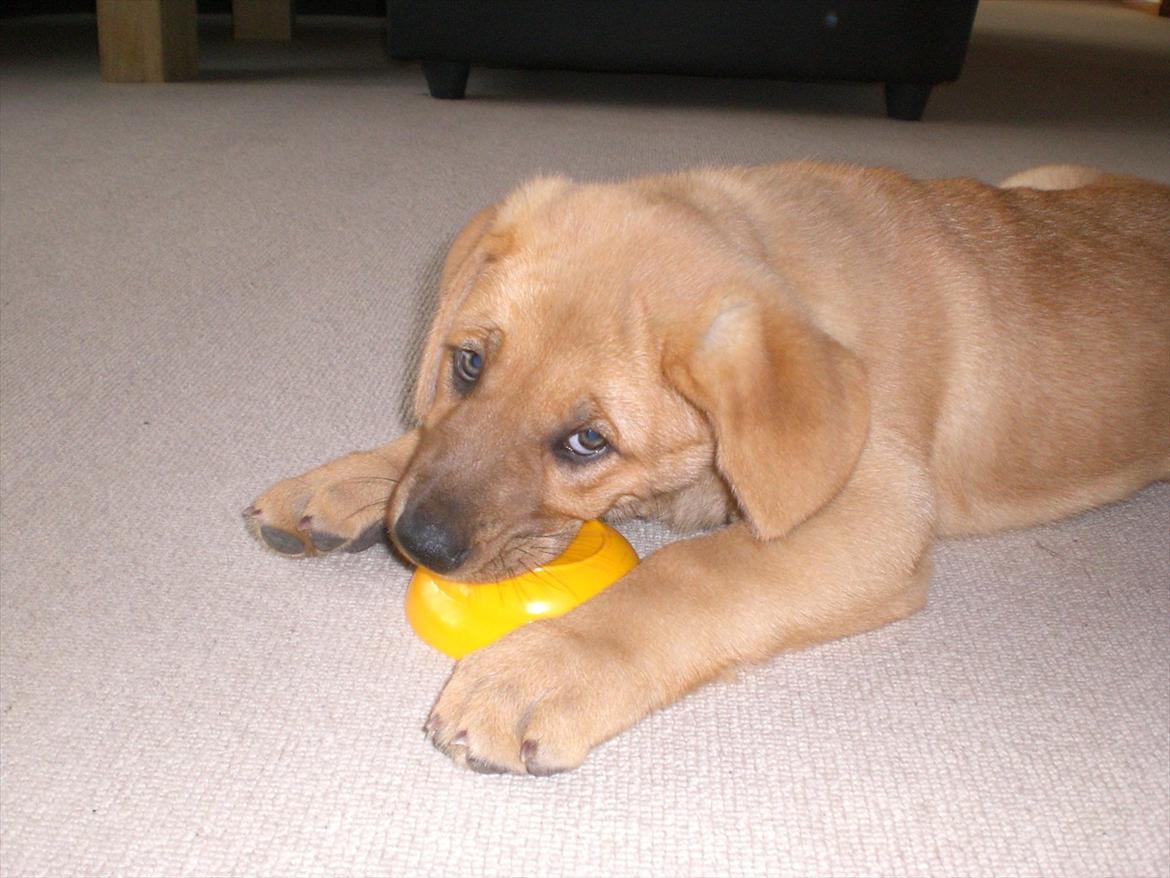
(446, 79)
(906, 100)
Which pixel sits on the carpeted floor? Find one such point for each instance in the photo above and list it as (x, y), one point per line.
(210, 285)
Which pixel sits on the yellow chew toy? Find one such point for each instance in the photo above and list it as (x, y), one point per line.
(459, 617)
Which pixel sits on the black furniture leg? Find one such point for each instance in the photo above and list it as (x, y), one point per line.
(906, 100)
(446, 79)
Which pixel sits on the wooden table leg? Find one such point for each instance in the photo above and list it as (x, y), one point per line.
(147, 40)
(262, 19)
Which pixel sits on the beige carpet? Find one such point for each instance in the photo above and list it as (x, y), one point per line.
(207, 286)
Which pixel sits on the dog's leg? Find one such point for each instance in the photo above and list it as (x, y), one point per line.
(340, 505)
(539, 699)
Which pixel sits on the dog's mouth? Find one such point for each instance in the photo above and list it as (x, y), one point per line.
(508, 556)
(500, 556)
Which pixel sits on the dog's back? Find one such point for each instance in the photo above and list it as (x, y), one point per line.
(1018, 336)
(1058, 395)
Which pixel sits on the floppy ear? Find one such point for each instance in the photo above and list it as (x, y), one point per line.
(465, 260)
(787, 404)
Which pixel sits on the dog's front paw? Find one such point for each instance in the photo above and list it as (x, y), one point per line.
(338, 506)
(536, 701)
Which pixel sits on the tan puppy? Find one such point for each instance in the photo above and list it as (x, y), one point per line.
(838, 364)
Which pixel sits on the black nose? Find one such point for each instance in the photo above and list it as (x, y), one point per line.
(430, 535)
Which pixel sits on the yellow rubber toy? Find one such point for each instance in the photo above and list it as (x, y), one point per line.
(459, 617)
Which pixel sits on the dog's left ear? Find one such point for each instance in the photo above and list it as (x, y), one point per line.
(788, 406)
(484, 240)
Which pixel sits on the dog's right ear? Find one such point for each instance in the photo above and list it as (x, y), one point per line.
(787, 404)
(472, 250)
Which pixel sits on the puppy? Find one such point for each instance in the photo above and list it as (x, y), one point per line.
(825, 368)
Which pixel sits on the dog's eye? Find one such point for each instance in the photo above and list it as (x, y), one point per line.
(468, 364)
(586, 443)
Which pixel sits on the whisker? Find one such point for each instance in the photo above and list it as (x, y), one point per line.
(368, 479)
(547, 576)
(383, 502)
(524, 553)
(499, 570)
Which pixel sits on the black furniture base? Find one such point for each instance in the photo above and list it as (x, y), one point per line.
(447, 79)
(904, 100)
(909, 45)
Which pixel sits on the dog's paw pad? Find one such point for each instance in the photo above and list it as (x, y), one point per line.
(480, 766)
(326, 542)
(530, 756)
(281, 541)
(372, 535)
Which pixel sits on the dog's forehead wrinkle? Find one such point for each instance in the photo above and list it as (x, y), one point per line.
(604, 270)
(548, 318)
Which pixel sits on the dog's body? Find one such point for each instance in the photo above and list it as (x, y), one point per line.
(838, 364)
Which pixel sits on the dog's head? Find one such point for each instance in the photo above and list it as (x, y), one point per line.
(615, 349)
